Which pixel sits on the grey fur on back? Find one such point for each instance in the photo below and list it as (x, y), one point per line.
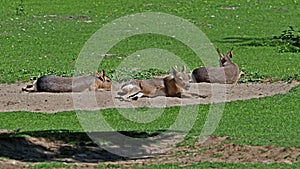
(227, 73)
(52, 83)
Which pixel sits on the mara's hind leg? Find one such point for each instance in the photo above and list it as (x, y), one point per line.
(131, 90)
(132, 96)
(136, 96)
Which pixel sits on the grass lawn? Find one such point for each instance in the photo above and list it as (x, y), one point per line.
(48, 37)
(43, 37)
(265, 121)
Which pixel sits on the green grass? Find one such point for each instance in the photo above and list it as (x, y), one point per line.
(48, 38)
(27, 121)
(43, 37)
(265, 121)
(51, 165)
(207, 165)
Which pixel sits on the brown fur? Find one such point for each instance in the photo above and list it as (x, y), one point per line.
(227, 73)
(170, 86)
(52, 83)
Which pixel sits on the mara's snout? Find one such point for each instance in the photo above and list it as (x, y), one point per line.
(187, 86)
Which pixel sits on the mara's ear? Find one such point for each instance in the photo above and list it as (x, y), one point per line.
(101, 74)
(174, 69)
(229, 53)
(183, 69)
(220, 53)
(97, 74)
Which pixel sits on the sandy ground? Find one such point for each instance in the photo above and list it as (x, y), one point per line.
(13, 99)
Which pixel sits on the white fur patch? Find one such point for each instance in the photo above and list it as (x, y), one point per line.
(129, 86)
(139, 95)
(136, 96)
(35, 85)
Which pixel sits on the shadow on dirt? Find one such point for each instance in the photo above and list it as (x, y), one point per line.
(65, 146)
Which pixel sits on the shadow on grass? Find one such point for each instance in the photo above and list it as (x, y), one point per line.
(251, 41)
(65, 146)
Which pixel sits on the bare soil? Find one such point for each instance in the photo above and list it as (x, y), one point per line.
(25, 152)
(13, 99)
(78, 150)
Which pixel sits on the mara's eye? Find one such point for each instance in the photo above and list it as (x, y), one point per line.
(107, 80)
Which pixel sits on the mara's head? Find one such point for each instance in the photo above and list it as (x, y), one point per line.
(225, 59)
(105, 82)
(181, 77)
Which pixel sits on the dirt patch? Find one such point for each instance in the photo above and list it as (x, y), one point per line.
(13, 99)
(77, 149)
(220, 149)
